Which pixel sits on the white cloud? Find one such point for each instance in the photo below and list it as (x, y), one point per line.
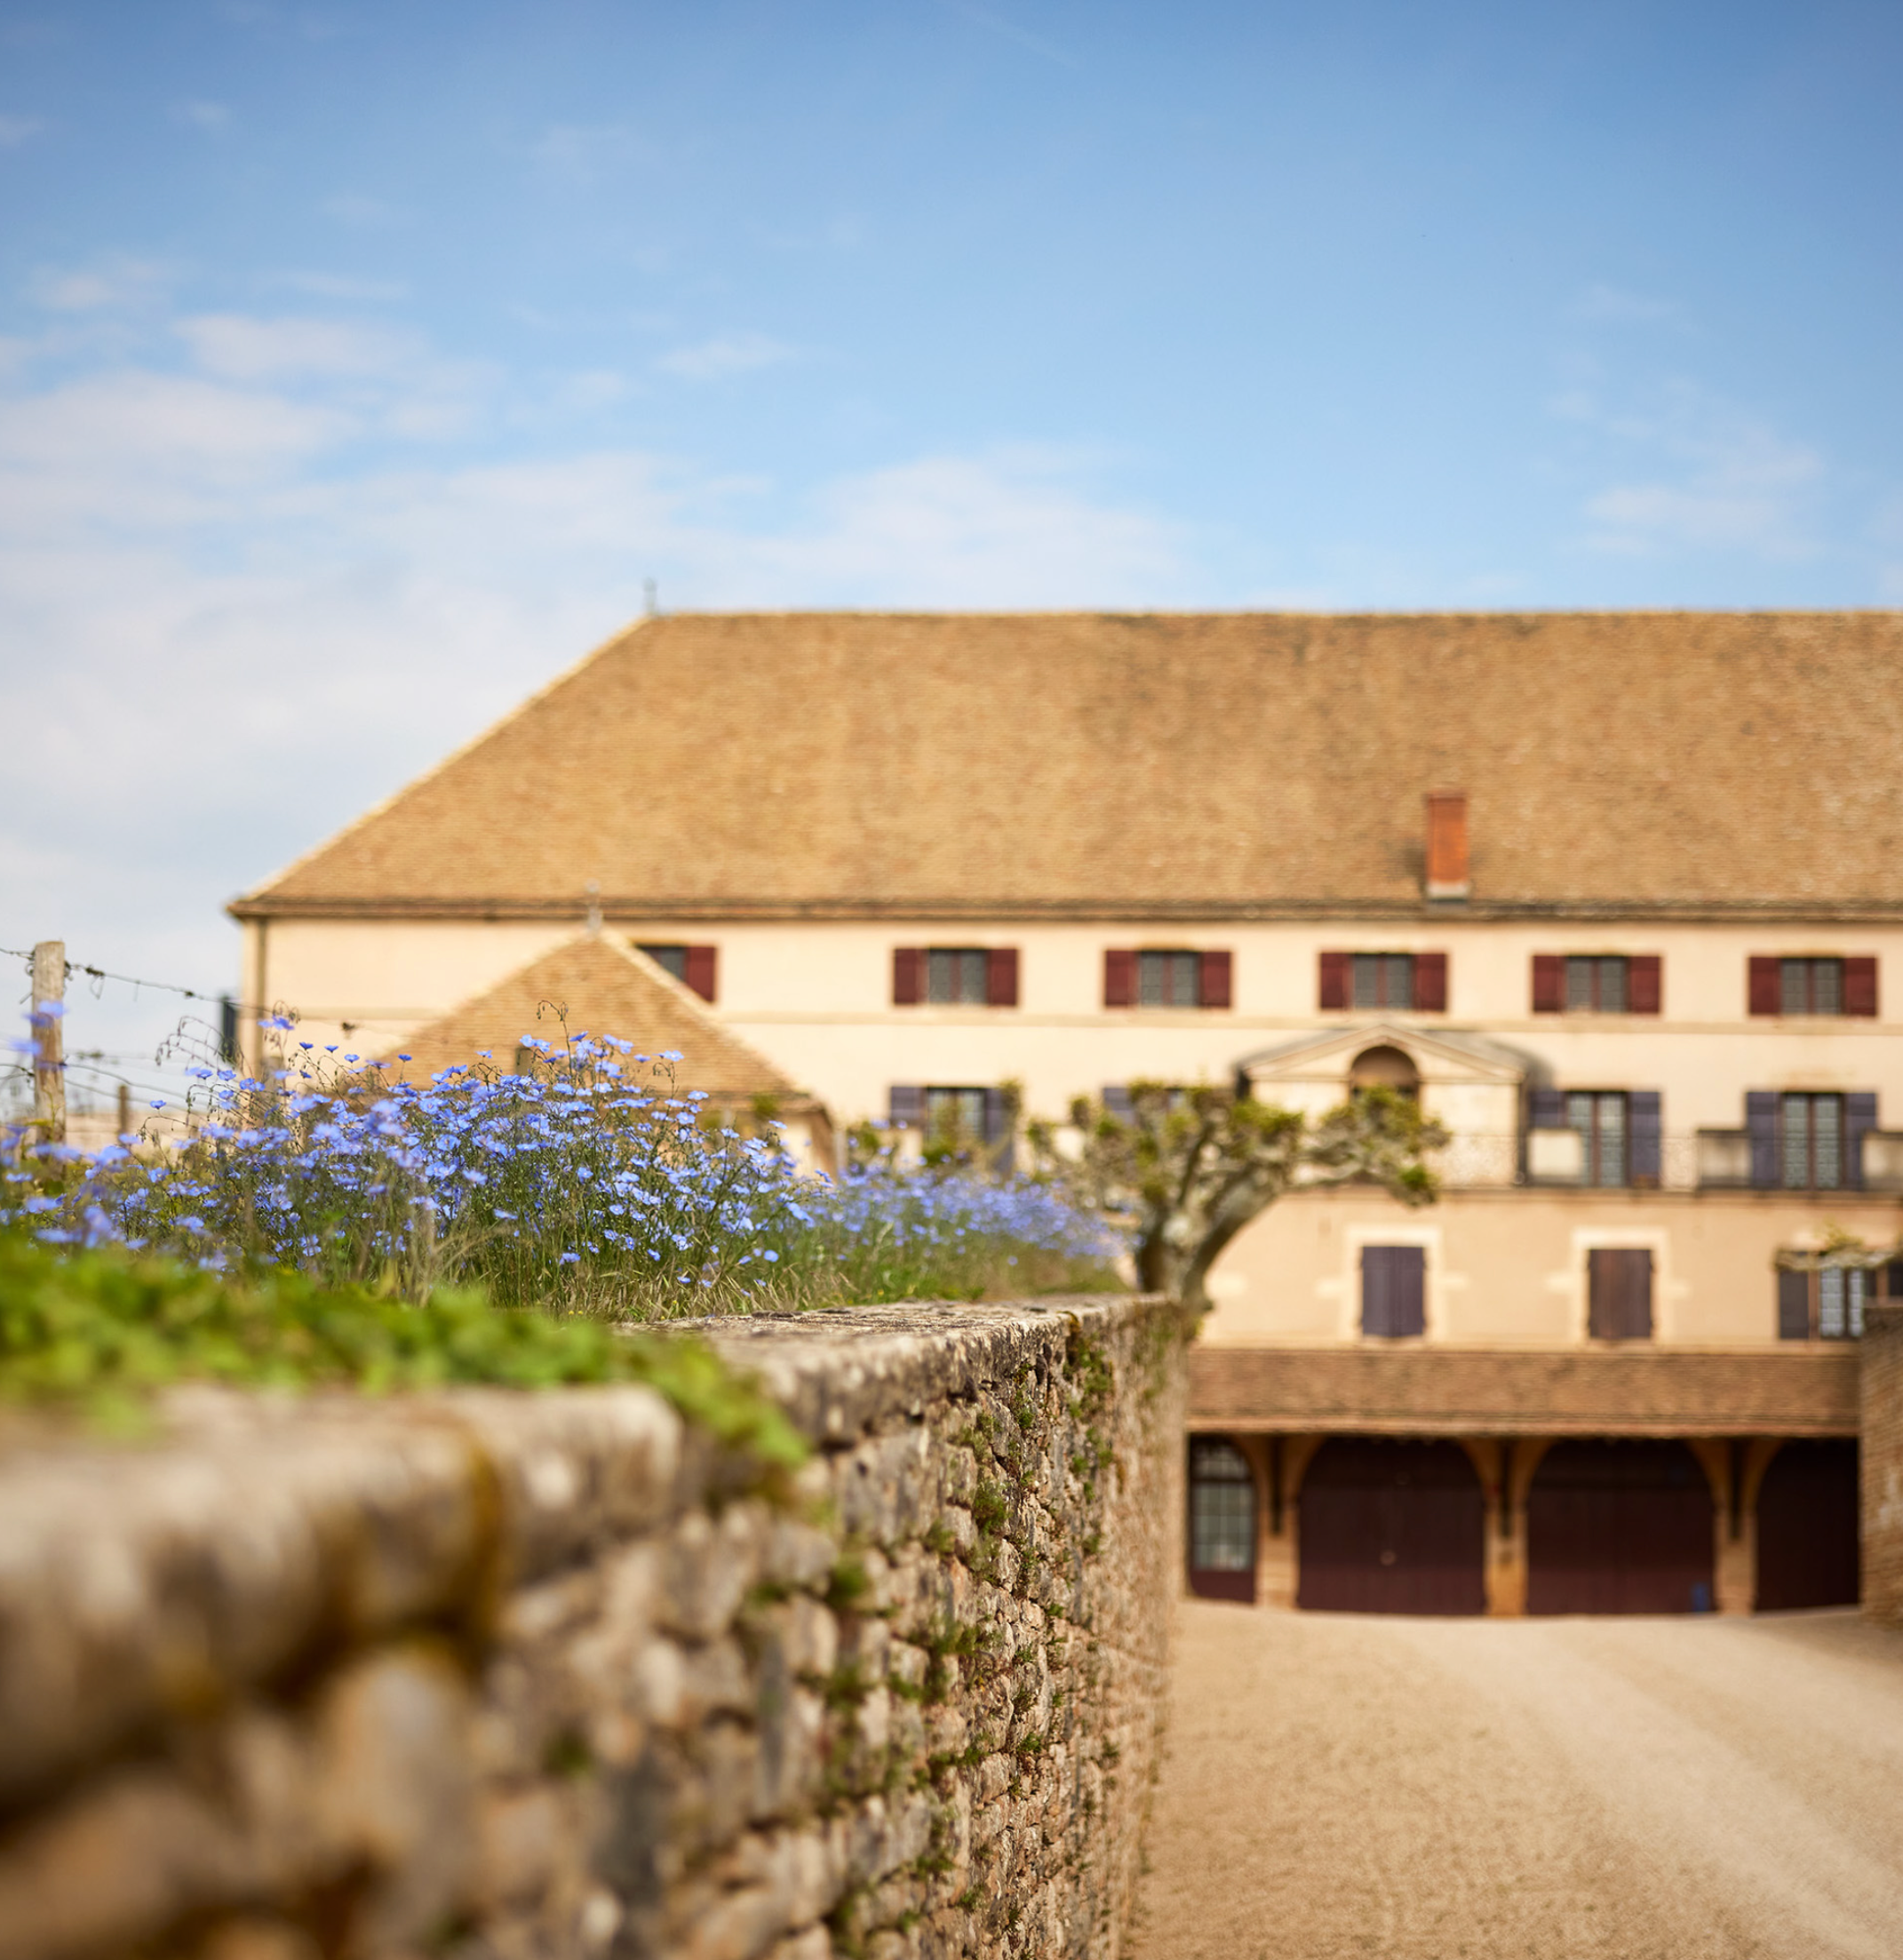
(1615, 305)
(208, 117)
(1700, 474)
(330, 286)
(16, 129)
(113, 284)
(726, 354)
(242, 347)
(367, 213)
(582, 153)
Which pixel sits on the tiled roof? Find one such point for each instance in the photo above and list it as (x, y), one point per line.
(606, 988)
(1096, 765)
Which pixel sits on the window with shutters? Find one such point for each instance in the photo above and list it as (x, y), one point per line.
(691, 966)
(1810, 1154)
(1385, 982)
(1808, 984)
(1823, 1303)
(1619, 1294)
(1598, 983)
(1221, 1508)
(1168, 978)
(1393, 1291)
(954, 976)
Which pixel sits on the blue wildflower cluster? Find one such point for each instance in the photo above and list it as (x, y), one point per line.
(579, 1181)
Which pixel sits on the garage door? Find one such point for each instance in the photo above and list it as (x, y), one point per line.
(1807, 1528)
(1391, 1527)
(1619, 1527)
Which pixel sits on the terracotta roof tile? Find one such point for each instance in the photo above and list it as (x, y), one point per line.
(1094, 763)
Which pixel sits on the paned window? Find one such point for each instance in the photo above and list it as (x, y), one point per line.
(1810, 986)
(1619, 1294)
(1221, 1508)
(1811, 1142)
(1599, 1116)
(1393, 1291)
(1383, 980)
(1169, 980)
(955, 976)
(956, 1115)
(1823, 1304)
(1595, 984)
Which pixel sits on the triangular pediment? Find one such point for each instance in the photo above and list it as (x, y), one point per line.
(1437, 1057)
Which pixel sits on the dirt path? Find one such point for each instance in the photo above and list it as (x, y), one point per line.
(1425, 1789)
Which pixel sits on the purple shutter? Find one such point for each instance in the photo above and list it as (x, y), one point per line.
(1393, 1291)
(1765, 985)
(1000, 978)
(1645, 984)
(1761, 1125)
(1548, 982)
(1793, 1305)
(1645, 1137)
(1430, 983)
(999, 1129)
(699, 970)
(906, 1106)
(1117, 1101)
(1860, 1116)
(908, 976)
(1119, 978)
(1546, 1109)
(1859, 986)
(1215, 980)
(1334, 980)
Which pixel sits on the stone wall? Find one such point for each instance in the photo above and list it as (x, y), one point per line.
(1881, 1460)
(514, 1674)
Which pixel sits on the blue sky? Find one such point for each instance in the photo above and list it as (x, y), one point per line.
(358, 363)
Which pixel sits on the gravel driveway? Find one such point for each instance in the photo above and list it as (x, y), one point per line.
(1426, 1789)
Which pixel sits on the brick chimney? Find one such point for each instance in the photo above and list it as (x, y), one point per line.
(1446, 845)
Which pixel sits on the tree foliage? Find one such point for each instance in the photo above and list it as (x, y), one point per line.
(1187, 1168)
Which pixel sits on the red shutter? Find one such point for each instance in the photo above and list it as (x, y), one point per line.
(1430, 983)
(1548, 982)
(699, 973)
(1000, 978)
(1215, 988)
(1859, 986)
(1334, 980)
(908, 976)
(1120, 979)
(1765, 987)
(1645, 984)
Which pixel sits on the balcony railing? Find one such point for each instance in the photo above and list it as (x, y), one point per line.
(1702, 1160)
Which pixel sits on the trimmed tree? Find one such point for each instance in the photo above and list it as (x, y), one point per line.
(1187, 1168)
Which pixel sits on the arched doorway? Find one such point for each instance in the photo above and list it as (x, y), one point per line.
(1391, 1527)
(1222, 1521)
(1386, 1067)
(1620, 1528)
(1807, 1529)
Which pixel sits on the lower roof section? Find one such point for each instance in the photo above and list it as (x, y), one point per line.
(1440, 1391)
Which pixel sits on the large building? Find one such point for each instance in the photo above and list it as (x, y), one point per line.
(1619, 895)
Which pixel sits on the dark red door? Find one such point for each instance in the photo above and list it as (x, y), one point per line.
(1807, 1547)
(1392, 1527)
(1619, 1527)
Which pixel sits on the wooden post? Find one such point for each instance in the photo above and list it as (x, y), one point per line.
(125, 1112)
(49, 1061)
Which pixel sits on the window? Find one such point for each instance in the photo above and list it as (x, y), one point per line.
(1822, 1304)
(1599, 1116)
(1811, 1142)
(1619, 1294)
(1807, 985)
(1393, 1291)
(954, 976)
(691, 966)
(1385, 982)
(1598, 983)
(956, 1115)
(1169, 980)
(1221, 1508)
(1175, 977)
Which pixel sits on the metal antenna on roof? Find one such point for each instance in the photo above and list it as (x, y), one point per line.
(650, 599)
